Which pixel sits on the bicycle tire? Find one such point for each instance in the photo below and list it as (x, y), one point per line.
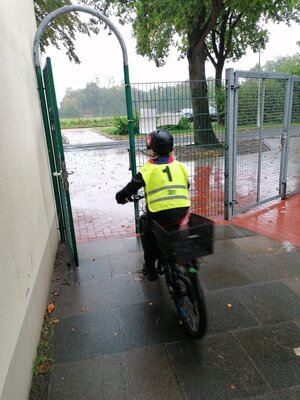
(190, 304)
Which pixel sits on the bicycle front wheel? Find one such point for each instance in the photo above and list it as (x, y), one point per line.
(190, 304)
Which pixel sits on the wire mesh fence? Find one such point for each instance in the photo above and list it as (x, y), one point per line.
(260, 116)
(264, 107)
(194, 113)
(265, 133)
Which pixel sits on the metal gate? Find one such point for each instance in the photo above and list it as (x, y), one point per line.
(57, 158)
(262, 138)
(52, 125)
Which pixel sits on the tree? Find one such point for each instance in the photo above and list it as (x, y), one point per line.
(185, 24)
(287, 64)
(155, 23)
(188, 25)
(240, 27)
(199, 29)
(62, 30)
(290, 65)
(234, 32)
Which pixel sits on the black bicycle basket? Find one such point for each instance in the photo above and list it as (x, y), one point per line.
(191, 241)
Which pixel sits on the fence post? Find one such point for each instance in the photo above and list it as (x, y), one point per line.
(229, 144)
(285, 137)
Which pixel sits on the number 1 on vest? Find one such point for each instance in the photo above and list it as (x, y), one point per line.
(168, 172)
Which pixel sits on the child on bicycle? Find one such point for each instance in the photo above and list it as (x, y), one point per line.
(166, 192)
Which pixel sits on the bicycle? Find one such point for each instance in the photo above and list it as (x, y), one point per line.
(177, 262)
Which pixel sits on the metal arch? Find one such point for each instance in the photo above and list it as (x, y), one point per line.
(36, 55)
(66, 9)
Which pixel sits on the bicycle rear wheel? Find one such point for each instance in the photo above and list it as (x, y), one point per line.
(190, 304)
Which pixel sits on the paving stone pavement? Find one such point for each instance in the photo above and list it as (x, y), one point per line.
(119, 337)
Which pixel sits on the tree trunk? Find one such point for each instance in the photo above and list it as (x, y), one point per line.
(219, 91)
(203, 131)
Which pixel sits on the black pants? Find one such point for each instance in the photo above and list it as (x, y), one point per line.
(170, 218)
(151, 253)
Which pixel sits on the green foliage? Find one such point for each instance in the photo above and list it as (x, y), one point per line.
(274, 98)
(43, 361)
(220, 101)
(93, 101)
(184, 124)
(227, 28)
(121, 125)
(287, 64)
(62, 30)
(71, 123)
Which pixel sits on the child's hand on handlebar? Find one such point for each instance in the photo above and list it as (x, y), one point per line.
(122, 198)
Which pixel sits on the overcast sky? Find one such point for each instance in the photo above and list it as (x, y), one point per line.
(101, 57)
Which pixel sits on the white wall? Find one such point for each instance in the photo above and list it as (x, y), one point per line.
(28, 232)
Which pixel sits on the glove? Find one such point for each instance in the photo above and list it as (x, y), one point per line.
(121, 197)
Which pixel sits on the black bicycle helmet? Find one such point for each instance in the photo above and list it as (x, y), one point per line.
(161, 142)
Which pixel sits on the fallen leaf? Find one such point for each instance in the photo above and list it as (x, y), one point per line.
(297, 351)
(232, 386)
(50, 308)
(44, 368)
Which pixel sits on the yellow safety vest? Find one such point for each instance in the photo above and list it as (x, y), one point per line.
(166, 185)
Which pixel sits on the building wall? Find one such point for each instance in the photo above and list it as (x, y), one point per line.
(28, 229)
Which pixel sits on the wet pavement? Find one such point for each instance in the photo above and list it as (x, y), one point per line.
(118, 336)
(279, 219)
(95, 175)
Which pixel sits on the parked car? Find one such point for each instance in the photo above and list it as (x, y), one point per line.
(213, 113)
(188, 113)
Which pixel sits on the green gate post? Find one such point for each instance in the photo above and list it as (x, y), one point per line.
(50, 152)
(74, 8)
(131, 138)
(59, 157)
